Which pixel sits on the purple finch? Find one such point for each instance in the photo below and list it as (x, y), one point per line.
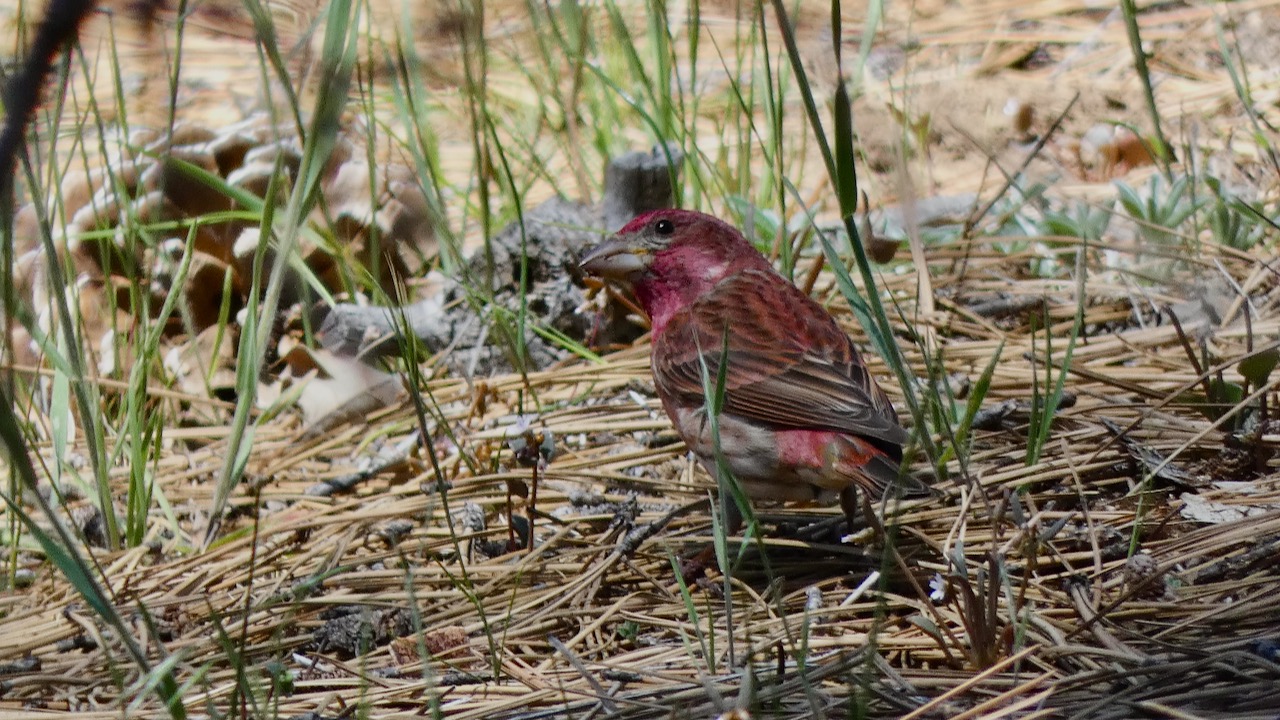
(802, 418)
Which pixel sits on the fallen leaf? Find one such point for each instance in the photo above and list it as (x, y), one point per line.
(338, 390)
(1199, 509)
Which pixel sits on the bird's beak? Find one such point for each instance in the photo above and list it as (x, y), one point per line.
(617, 258)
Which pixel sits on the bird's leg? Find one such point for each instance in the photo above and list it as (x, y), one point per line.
(849, 503)
(869, 513)
(694, 569)
(732, 515)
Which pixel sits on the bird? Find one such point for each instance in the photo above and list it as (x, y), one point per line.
(802, 418)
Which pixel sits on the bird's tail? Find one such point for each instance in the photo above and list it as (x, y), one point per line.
(882, 475)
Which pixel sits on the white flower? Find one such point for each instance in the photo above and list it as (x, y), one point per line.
(937, 588)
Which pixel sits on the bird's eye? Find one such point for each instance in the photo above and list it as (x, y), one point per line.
(664, 227)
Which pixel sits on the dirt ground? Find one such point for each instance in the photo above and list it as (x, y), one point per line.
(961, 85)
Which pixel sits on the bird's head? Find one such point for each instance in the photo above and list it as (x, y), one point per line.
(680, 246)
(671, 257)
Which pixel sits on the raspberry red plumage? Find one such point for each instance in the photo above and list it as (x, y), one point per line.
(802, 417)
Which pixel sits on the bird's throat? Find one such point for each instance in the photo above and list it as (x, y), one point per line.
(663, 298)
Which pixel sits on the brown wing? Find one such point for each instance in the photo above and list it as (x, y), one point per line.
(789, 363)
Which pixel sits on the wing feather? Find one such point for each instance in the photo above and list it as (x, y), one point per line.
(789, 363)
